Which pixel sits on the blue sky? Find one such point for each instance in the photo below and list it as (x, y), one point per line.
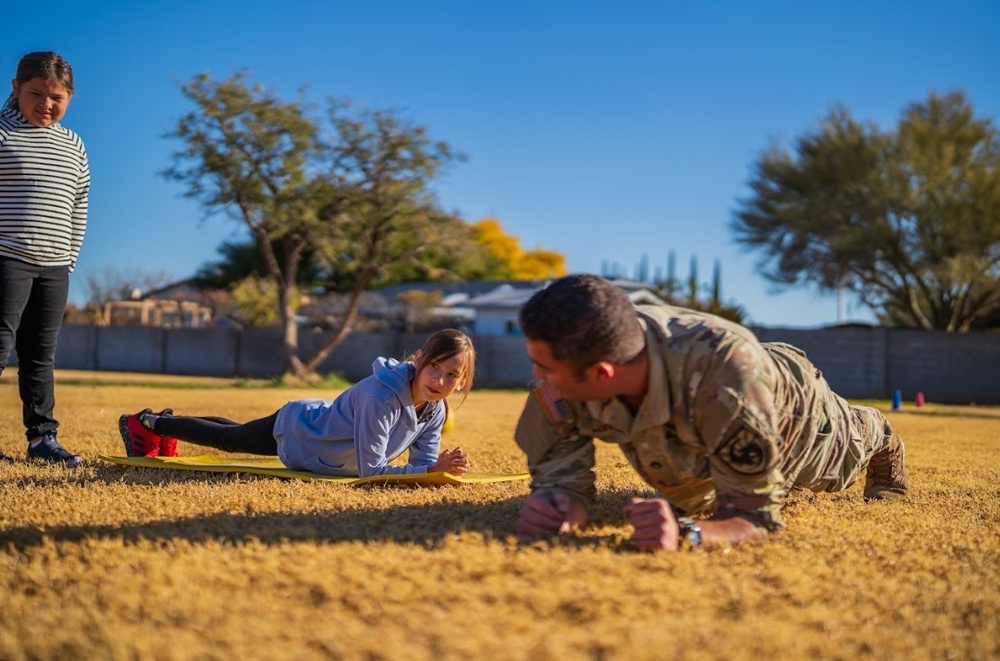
(604, 130)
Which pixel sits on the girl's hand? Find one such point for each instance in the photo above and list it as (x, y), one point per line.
(454, 461)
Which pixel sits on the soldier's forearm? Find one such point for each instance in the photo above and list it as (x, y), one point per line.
(729, 530)
(582, 491)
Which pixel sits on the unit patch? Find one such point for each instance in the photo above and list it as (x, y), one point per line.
(746, 452)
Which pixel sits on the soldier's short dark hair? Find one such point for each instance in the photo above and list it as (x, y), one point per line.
(584, 319)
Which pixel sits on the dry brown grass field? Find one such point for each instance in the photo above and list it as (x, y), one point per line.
(114, 562)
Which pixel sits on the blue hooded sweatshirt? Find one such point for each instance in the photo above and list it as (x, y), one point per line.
(367, 426)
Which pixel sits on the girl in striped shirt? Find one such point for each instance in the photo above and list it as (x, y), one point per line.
(44, 184)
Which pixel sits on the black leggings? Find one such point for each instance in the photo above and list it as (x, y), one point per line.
(32, 304)
(254, 437)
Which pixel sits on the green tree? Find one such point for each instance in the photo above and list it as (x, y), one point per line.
(239, 259)
(350, 189)
(692, 282)
(254, 301)
(669, 288)
(908, 218)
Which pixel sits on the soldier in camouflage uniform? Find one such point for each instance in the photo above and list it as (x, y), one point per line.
(720, 424)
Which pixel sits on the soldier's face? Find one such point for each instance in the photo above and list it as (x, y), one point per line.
(561, 375)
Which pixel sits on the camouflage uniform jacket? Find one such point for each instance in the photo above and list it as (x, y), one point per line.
(727, 422)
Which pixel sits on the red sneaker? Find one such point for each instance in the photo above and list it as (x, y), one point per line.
(168, 444)
(139, 441)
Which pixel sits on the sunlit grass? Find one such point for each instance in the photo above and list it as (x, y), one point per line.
(115, 562)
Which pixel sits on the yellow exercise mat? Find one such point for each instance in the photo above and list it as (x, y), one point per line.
(273, 466)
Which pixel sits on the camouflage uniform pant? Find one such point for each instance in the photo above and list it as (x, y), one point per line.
(869, 432)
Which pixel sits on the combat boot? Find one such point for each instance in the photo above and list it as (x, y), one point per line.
(886, 477)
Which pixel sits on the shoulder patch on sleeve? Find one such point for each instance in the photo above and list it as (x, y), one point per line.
(552, 403)
(747, 452)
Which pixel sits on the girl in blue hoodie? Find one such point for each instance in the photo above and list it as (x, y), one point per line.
(400, 407)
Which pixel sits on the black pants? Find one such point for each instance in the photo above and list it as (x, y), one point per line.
(254, 437)
(32, 304)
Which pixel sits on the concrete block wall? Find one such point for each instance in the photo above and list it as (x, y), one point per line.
(945, 367)
(502, 361)
(853, 360)
(200, 351)
(858, 362)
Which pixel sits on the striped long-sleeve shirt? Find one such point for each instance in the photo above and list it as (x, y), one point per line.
(44, 184)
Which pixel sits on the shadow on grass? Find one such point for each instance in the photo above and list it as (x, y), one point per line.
(429, 525)
(426, 525)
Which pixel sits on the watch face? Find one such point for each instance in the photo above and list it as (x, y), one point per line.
(694, 536)
(689, 530)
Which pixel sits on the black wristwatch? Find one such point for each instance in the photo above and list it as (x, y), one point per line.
(688, 531)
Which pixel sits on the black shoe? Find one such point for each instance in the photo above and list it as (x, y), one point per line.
(5, 459)
(48, 449)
